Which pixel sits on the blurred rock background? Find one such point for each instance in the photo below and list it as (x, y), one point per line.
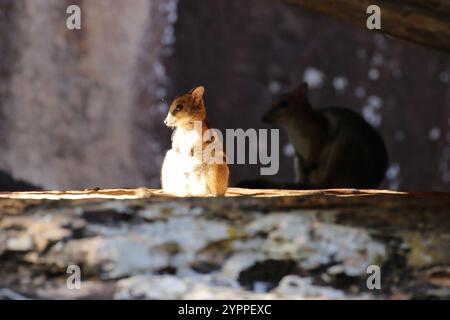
(84, 108)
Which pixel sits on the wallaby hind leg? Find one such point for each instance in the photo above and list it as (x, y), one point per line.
(217, 179)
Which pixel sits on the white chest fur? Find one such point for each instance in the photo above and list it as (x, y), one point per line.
(184, 140)
(186, 171)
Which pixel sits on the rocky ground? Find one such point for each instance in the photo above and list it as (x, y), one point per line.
(252, 244)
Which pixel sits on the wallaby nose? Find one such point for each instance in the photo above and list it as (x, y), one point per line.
(168, 121)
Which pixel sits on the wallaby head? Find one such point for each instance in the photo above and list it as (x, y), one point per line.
(187, 108)
(291, 105)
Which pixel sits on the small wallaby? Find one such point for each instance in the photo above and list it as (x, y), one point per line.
(334, 147)
(196, 165)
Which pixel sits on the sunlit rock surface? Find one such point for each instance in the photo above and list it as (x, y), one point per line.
(253, 244)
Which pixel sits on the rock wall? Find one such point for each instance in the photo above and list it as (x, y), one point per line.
(75, 100)
(84, 108)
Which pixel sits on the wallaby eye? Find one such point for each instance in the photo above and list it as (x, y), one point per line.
(179, 107)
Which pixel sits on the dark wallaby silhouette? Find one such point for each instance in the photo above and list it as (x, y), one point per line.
(334, 147)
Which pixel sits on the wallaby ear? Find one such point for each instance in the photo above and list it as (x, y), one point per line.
(197, 92)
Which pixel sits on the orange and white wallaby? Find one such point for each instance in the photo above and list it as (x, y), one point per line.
(196, 165)
(334, 147)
